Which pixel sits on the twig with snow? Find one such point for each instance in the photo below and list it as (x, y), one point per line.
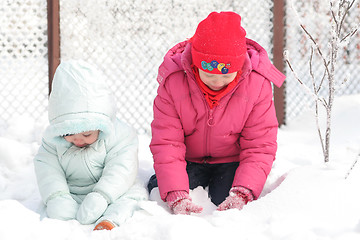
(338, 13)
(306, 88)
(353, 166)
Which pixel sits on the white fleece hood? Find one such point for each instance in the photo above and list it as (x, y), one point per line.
(80, 100)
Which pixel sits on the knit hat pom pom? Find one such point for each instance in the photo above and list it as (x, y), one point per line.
(219, 43)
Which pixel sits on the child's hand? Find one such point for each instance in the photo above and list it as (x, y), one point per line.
(91, 209)
(232, 201)
(186, 206)
(237, 198)
(180, 203)
(62, 207)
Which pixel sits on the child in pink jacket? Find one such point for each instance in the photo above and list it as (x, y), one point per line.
(214, 118)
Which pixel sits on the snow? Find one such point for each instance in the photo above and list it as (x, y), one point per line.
(303, 198)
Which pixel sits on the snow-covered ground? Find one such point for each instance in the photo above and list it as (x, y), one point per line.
(304, 198)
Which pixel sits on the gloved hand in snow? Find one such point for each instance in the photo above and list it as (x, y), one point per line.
(92, 208)
(62, 207)
(238, 198)
(180, 203)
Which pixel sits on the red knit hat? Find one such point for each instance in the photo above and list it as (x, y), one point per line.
(219, 44)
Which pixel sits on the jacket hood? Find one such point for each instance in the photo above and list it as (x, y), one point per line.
(258, 61)
(80, 100)
(178, 58)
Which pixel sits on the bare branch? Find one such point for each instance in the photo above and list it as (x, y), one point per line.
(317, 47)
(342, 17)
(347, 10)
(311, 70)
(316, 88)
(322, 79)
(350, 34)
(352, 167)
(339, 11)
(318, 127)
(334, 15)
(315, 96)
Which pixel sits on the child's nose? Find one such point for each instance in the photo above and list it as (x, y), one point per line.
(78, 140)
(218, 79)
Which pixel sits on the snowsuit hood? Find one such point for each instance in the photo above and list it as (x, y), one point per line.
(71, 110)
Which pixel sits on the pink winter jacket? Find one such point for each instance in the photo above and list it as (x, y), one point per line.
(242, 128)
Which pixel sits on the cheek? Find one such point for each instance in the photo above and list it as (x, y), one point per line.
(92, 139)
(229, 81)
(212, 80)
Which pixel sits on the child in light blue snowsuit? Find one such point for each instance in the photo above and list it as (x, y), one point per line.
(87, 164)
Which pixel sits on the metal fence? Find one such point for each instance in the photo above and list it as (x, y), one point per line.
(23, 59)
(315, 16)
(128, 39)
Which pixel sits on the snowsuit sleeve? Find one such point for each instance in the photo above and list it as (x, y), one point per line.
(125, 206)
(167, 144)
(258, 143)
(52, 184)
(121, 164)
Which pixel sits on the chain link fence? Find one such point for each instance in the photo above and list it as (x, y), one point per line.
(128, 39)
(23, 59)
(315, 16)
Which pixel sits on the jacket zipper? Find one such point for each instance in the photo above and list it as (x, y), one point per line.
(209, 124)
(89, 169)
(210, 120)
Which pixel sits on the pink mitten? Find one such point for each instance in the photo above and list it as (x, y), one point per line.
(180, 203)
(238, 197)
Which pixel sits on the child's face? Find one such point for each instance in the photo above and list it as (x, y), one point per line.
(216, 82)
(83, 139)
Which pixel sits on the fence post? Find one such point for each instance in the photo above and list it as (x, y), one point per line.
(278, 59)
(53, 9)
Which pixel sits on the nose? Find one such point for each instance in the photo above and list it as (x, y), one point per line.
(216, 79)
(78, 141)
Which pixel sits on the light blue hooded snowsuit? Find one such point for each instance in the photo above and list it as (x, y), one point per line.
(92, 183)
